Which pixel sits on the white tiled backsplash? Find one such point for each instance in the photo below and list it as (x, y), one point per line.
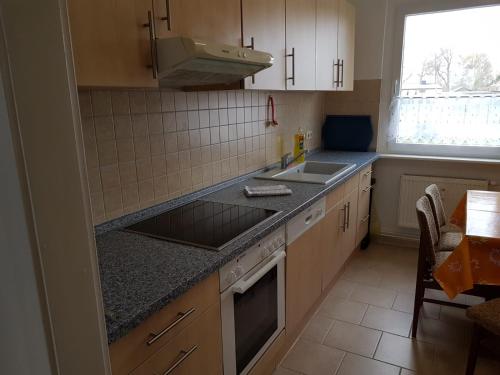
(145, 147)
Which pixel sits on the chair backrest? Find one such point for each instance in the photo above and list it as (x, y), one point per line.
(432, 192)
(429, 236)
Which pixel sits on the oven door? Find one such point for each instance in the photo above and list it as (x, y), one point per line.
(253, 314)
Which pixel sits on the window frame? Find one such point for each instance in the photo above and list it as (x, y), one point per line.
(391, 77)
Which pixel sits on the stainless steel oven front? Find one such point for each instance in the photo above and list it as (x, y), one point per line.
(252, 303)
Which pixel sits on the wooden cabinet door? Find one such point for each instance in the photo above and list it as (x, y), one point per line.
(327, 24)
(264, 21)
(349, 236)
(363, 213)
(111, 46)
(346, 37)
(331, 243)
(196, 350)
(303, 276)
(214, 21)
(300, 39)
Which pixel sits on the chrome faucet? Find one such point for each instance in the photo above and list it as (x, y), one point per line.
(285, 159)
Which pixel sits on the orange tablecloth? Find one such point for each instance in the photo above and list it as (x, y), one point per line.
(476, 260)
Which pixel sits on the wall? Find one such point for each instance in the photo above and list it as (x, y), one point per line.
(144, 147)
(24, 348)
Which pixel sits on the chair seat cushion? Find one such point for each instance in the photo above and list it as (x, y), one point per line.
(487, 315)
(441, 257)
(449, 241)
(450, 228)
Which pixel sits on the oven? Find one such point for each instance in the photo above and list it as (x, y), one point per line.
(252, 303)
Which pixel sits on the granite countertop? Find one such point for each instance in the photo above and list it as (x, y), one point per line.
(140, 275)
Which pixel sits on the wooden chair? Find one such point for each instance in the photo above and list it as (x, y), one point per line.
(430, 257)
(486, 317)
(449, 235)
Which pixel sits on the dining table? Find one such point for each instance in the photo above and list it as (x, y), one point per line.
(476, 260)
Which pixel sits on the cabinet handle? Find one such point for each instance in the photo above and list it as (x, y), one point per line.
(252, 47)
(366, 174)
(336, 82)
(368, 188)
(152, 42)
(365, 219)
(183, 356)
(344, 211)
(167, 17)
(348, 214)
(181, 317)
(342, 74)
(292, 55)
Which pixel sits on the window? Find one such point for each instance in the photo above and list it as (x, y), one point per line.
(448, 101)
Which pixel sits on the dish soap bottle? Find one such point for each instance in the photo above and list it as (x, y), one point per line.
(299, 146)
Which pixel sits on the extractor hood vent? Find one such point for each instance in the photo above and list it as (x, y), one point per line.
(184, 62)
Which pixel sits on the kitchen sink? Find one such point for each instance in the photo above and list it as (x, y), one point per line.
(312, 172)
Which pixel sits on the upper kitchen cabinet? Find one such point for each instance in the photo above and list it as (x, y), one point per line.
(300, 44)
(112, 39)
(347, 20)
(263, 25)
(111, 42)
(327, 24)
(214, 21)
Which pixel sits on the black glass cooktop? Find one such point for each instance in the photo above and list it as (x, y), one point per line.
(204, 224)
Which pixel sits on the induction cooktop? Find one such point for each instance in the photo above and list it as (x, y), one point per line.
(204, 224)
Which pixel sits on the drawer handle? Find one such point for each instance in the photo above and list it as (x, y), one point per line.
(365, 219)
(368, 188)
(366, 174)
(183, 356)
(181, 317)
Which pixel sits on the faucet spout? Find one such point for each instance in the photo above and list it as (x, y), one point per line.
(285, 160)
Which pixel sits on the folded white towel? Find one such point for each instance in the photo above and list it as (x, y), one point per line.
(264, 191)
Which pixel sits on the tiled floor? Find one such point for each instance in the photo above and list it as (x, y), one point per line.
(363, 326)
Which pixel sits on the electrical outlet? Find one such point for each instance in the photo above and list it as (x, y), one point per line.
(309, 134)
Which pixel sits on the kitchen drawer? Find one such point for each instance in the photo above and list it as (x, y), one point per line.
(334, 197)
(351, 184)
(365, 177)
(363, 213)
(195, 350)
(133, 349)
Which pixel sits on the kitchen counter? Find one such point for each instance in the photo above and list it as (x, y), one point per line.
(140, 275)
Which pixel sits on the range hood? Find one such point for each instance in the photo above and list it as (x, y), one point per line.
(184, 62)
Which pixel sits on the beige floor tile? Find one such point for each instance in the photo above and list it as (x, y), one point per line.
(407, 353)
(373, 296)
(313, 359)
(455, 316)
(398, 281)
(407, 372)
(437, 331)
(365, 276)
(450, 359)
(317, 328)
(353, 338)
(440, 295)
(404, 303)
(285, 371)
(387, 320)
(356, 365)
(343, 309)
(342, 289)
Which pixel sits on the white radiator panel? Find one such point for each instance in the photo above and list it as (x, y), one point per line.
(413, 187)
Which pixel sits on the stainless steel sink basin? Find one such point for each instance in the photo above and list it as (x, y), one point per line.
(313, 172)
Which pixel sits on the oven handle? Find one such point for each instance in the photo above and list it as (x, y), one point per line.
(243, 285)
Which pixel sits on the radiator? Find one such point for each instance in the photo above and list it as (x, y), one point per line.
(412, 188)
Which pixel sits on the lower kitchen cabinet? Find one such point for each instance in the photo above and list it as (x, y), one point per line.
(196, 350)
(192, 320)
(303, 276)
(363, 204)
(331, 243)
(349, 235)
